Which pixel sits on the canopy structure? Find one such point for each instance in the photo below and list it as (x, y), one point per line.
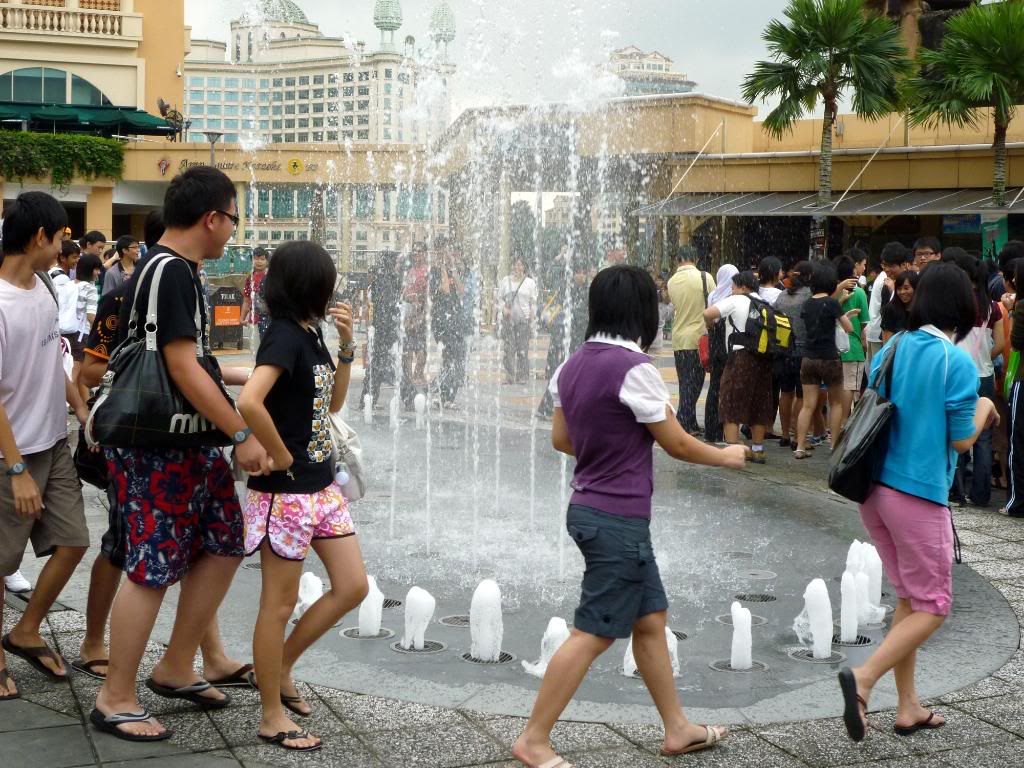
(930, 202)
(72, 118)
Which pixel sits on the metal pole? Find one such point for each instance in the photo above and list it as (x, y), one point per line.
(693, 163)
(873, 156)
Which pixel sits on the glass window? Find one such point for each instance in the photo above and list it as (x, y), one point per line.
(347, 135)
(348, 90)
(289, 82)
(289, 95)
(349, 77)
(318, 122)
(195, 81)
(289, 123)
(332, 93)
(318, 108)
(230, 95)
(264, 235)
(303, 123)
(387, 103)
(332, 122)
(195, 109)
(387, 134)
(388, 74)
(289, 138)
(231, 110)
(349, 106)
(278, 109)
(364, 90)
(231, 138)
(213, 123)
(231, 125)
(303, 109)
(198, 125)
(231, 82)
(279, 82)
(365, 199)
(213, 82)
(332, 234)
(387, 118)
(318, 93)
(332, 135)
(363, 120)
(278, 96)
(318, 135)
(213, 95)
(303, 137)
(84, 92)
(213, 109)
(264, 125)
(305, 196)
(318, 79)
(194, 96)
(289, 235)
(364, 105)
(332, 106)
(332, 78)
(275, 235)
(264, 111)
(277, 138)
(363, 135)
(289, 109)
(249, 83)
(278, 124)
(264, 82)
(248, 97)
(347, 120)
(364, 76)
(284, 203)
(264, 97)
(303, 95)
(387, 87)
(304, 80)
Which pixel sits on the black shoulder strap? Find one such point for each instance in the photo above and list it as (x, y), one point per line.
(885, 369)
(49, 285)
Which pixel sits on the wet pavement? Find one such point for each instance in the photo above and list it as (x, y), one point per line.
(710, 529)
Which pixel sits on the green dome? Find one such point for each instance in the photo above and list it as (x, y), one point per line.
(278, 10)
(442, 23)
(387, 15)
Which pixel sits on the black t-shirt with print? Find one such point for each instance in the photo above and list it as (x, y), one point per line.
(176, 305)
(298, 403)
(103, 334)
(820, 316)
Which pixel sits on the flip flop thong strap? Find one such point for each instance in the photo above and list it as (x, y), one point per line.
(5, 677)
(300, 700)
(554, 762)
(91, 665)
(199, 687)
(127, 717)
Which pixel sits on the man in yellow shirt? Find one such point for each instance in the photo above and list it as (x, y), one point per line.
(688, 289)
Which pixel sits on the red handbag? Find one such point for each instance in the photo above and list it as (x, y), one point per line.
(704, 350)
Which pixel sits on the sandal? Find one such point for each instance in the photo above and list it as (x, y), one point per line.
(291, 704)
(109, 723)
(237, 679)
(280, 738)
(554, 762)
(800, 453)
(714, 735)
(5, 678)
(34, 655)
(192, 693)
(924, 725)
(853, 706)
(89, 667)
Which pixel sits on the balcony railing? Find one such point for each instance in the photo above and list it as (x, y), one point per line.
(96, 25)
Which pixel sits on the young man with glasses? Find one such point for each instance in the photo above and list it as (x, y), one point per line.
(127, 249)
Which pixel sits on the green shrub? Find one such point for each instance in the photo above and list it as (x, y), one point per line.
(61, 156)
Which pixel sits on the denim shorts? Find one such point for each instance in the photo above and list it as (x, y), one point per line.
(621, 582)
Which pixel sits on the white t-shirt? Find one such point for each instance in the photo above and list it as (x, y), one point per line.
(874, 331)
(88, 300)
(31, 368)
(734, 311)
(769, 293)
(643, 390)
(525, 302)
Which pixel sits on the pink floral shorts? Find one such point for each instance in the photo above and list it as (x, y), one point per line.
(290, 521)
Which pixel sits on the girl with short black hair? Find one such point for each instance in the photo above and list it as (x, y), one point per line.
(287, 402)
(611, 406)
(896, 313)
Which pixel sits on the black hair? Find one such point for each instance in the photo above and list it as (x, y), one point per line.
(943, 298)
(260, 252)
(904, 277)
(857, 255)
(803, 269)
(746, 279)
(124, 242)
(92, 237)
(687, 253)
(1011, 252)
(768, 270)
(153, 229)
(977, 271)
(30, 212)
(300, 282)
(844, 267)
(624, 302)
(69, 248)
(928, 242)
(894, 253)
(87, 268)
(195, 193)
(823, 278)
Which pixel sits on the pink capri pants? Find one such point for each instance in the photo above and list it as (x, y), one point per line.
(914, 538)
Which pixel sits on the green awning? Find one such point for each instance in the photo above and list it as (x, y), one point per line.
(73, 118)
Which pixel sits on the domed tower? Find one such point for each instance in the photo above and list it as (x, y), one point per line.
(266, 21)
(442, 26)
(387, 17)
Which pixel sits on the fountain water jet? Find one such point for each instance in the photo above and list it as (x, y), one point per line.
(485, 623)
(371, 610)
(557, 632)
(311, 589)
(848, 616)
(742, 640)
(419, 610)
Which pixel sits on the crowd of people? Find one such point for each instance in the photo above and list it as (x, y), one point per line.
(794, 345)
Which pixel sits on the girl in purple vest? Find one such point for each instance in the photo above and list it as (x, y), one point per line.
(611, 406)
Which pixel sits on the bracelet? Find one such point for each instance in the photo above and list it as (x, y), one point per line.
(346, 360)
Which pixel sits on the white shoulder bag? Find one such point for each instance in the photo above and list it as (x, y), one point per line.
(348, 450)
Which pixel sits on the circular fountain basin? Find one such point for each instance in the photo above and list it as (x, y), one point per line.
(487, 510)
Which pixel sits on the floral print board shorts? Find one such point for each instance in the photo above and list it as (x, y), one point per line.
(291, 521)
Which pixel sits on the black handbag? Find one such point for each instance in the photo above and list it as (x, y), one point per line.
(856, 452)
(138, 405)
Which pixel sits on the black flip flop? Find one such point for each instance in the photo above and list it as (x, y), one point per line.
(237, 679)
(290, 702)
(280, 738)
(190, 693)
(33, 656)
(109, 723)
(5, 678)
(924, 725)
(852, 702)
(89, 667)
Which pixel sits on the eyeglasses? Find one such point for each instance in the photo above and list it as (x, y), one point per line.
(235, 218)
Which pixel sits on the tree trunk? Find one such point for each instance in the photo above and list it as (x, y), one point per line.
(825, 161)
(999, 169)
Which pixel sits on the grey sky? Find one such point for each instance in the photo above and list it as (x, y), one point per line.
(530, 50)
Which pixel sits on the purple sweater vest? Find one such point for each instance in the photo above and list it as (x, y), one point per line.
(614, 462)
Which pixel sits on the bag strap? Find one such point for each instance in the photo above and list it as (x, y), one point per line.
(49, 285)
(885, 369)
(704, 286)
(151, 309)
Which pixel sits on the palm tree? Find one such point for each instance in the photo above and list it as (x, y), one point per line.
(827, 48)
(980, 65)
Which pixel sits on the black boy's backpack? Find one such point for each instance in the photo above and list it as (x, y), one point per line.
(767, 331)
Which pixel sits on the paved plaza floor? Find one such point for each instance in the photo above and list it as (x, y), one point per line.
(47, 729)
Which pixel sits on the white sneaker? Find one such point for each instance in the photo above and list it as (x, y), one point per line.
(17, 583)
